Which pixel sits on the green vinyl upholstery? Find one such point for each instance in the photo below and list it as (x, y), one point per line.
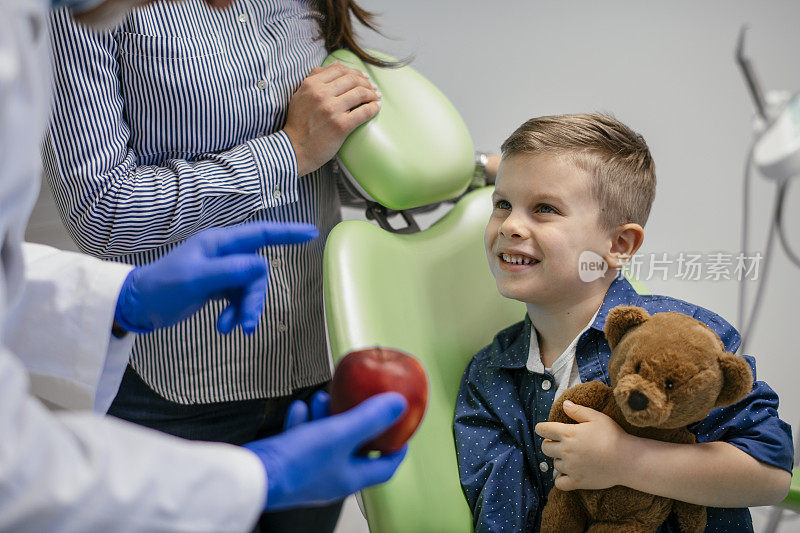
(432, 295)
(792, 501)
(417, 150)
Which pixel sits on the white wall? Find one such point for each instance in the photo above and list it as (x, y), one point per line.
(667, 70)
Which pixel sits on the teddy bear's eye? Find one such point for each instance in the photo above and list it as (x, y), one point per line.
(638, 366)
(669, 385)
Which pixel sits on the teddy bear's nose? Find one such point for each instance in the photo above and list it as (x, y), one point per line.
(638, 401)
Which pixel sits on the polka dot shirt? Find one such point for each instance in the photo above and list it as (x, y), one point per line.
(504, 474)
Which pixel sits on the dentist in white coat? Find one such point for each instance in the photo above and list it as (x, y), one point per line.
(78, 471)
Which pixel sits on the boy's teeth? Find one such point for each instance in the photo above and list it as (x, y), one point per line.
(517, 259)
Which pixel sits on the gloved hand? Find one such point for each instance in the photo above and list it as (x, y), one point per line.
(299, 413)
(317, 462)
(215, 263)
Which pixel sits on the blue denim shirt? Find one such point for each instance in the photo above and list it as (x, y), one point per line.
(505, 475)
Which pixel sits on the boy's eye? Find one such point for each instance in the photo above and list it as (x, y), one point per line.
(545, 208)
(502, 204)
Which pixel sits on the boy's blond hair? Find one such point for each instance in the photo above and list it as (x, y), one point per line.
(618, 158)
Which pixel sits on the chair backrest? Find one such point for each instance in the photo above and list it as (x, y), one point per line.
(416, 151)
(432, 295)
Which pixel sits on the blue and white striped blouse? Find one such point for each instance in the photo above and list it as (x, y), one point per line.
(171, 124)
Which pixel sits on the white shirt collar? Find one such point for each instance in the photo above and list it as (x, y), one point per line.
(563, 361)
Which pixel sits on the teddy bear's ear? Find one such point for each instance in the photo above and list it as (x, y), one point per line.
(621, 319)
(738, 379)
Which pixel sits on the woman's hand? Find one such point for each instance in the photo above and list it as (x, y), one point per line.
(330, 103)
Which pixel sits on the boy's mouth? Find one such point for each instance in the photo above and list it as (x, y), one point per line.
(514, 262)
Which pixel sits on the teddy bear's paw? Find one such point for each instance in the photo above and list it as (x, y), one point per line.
(563, 513)
(691, 517)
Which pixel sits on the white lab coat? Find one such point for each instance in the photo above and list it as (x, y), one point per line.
(63, 341)
(69, 471)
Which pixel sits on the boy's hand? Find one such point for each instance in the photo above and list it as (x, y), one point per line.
(588, 455)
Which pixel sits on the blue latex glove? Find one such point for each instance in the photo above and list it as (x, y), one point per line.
(299, 413)
(317, 462)
(215, 263)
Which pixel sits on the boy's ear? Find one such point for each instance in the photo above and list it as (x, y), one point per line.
(622, 319)
(737, 379)
(626, 241)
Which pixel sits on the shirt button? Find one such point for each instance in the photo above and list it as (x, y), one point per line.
(242, 17)
(282, 327)
(261, 84)
(546, 384)
(276, 193)
(275, 263)
(543, 467)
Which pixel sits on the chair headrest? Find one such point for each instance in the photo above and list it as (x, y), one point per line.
(416, 150)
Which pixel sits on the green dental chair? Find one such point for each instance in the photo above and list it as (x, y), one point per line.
(792, 501)
(429, 293)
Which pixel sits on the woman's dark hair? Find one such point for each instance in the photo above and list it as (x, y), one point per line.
(336, 28)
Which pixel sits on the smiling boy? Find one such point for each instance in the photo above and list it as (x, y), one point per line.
(569, 185)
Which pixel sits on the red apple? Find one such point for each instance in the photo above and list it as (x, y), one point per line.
(364, 373)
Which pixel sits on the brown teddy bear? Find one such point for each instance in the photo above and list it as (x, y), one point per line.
(667, 371)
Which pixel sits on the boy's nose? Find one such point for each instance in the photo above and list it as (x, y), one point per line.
(509, 233)
(512, 228)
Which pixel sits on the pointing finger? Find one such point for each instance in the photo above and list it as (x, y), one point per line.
(249, 238)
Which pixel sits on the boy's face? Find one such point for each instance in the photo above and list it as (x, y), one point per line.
(543, 218)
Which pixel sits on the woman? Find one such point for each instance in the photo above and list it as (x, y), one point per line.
(196, 118)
